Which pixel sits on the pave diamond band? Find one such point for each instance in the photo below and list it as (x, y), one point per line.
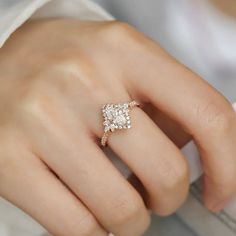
(116, 117)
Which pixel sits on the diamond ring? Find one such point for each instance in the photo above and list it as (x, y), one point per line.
(116, 117)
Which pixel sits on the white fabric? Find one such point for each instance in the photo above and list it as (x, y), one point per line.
(12, 15)
(15, 13)
(203, 38)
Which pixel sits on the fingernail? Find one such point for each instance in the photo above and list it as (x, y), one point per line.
(215, 207)
(221, 205)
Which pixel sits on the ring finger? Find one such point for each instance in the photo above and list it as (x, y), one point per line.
(155, 160)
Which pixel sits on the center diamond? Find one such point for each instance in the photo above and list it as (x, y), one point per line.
(120, 120)
(116, 116)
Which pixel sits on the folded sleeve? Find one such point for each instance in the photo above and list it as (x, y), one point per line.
(13, 13)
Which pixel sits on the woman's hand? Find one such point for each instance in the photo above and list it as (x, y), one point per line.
(55, 76)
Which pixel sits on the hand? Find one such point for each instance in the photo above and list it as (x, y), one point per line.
(55, 77)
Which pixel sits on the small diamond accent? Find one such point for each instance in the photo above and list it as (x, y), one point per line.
(116, 116)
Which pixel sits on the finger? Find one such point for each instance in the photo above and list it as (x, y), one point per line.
(91, 176)
(155, 160)
(58, 134)
(202, 112)
(171, 128)
(27, 183)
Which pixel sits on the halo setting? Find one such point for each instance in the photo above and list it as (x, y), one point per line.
(116, 117)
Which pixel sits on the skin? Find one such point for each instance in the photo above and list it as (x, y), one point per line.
(228, 7)
(55, 77)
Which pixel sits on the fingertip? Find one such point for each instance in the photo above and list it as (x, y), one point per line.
(215, 207)
(215, 197)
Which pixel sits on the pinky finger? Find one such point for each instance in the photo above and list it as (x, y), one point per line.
(34, 189)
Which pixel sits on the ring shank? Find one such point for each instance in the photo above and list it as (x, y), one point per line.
(104, 138)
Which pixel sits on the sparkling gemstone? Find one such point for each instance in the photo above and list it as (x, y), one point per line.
(116, 116)
(120, 120)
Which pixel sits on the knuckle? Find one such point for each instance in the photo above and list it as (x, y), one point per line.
(70, 64)
(116, 30)
(127, 211)
(87, 226)
(31, 103)
(175, 174)
(175, 183)
(179, 176)
(160, 210)
(164, 211)
(78, 75)
(35, 100)
(119, 28)
(215, 116)
(29, 98)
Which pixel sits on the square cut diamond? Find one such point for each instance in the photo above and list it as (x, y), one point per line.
(116, 116)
